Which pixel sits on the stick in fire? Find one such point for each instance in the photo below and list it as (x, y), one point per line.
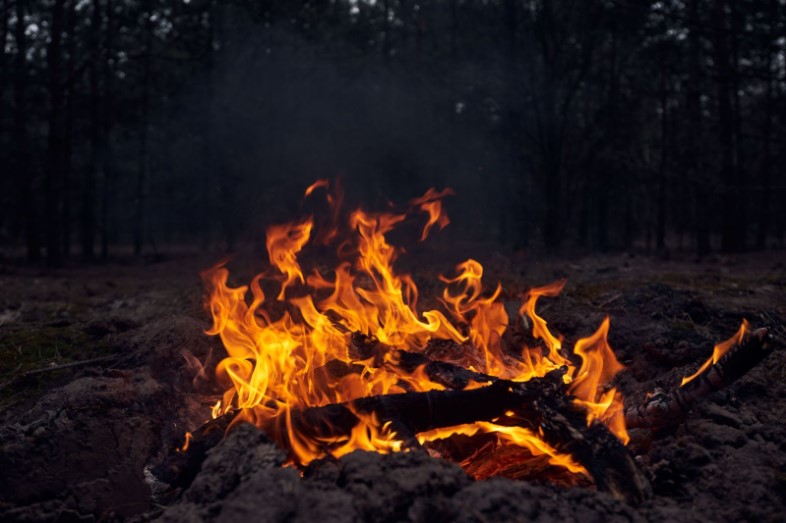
(540, 404)
(276, 364)
(745, 350)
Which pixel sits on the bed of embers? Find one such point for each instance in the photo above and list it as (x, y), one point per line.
(352, 381)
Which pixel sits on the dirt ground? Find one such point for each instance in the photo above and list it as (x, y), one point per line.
(75, 442)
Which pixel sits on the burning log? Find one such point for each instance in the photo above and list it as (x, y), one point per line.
(662, 409)
(540, 405)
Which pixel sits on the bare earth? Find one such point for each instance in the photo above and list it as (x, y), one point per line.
(74, 442)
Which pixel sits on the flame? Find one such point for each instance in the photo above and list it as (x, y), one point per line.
(324, 183)
(505, 434)
(719, 350)
(283, 244)
(598, 367)
(334, 199)
(215, 410)
(431, 203)
(280, 352)
(187, 442)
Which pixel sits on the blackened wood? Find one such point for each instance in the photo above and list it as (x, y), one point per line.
(541, 405)
(180, 467)
(664, 409)
(424, 411)
(371, 351)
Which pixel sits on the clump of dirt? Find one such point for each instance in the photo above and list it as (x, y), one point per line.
(242, 479)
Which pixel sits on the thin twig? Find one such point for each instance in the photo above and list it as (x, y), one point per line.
(52, 368)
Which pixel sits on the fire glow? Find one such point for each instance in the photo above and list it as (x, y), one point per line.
(279, 344)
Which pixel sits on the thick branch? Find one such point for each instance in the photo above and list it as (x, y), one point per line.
(664, 409)
(541, 405)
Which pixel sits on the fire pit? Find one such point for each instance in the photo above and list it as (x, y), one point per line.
(341, 384)
(327, 362)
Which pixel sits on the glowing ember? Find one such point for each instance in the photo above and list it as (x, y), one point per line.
(279, 349)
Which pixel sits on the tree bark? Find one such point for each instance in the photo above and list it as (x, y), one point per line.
(144, 106)
(5, 12)
(763, 224)
(695, 153)
(88, 211)
(6, 187)
(22, 166)
(68, 146)
(730, 237)
(660, 224)
(108, 178)
(549, 139)
(519, 230)
(225, 179)
(53, 181)
(208, 133)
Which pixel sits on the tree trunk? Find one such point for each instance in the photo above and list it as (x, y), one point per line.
(143, 166)
(208, 146)
(5, 11)
(737, 26)
(515, 183)
(224, 179)
(766, 162)
(730, 240)
(549, 135)
(108, 185)
(88, 221)
(68, 145)
(660, 226)
(53, 181)
(22, 166)
(694, 153)
(5, 189)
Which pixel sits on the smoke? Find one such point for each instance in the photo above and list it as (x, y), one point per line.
(279, 111)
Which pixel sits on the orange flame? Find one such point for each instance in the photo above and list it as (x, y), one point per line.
(505, 434)
(431, 203)
(324, 183)
(280, 352)
(719, 350)
(187, 442)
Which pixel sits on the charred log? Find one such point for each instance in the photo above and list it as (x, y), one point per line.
(180, 467)
(540, 405)
(665, 409)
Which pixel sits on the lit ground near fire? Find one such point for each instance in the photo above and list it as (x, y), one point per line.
(74, 442)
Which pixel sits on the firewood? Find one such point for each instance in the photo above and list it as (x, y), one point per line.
(540, 405)
(664, 409)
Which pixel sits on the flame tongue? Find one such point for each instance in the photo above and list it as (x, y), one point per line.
(277, 362)
(719, 350)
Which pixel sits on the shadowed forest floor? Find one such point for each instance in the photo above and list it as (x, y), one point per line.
(74, 442)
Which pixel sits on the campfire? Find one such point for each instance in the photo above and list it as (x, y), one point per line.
(331, 358)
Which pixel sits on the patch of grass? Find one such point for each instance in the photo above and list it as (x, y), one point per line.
(28, 347)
